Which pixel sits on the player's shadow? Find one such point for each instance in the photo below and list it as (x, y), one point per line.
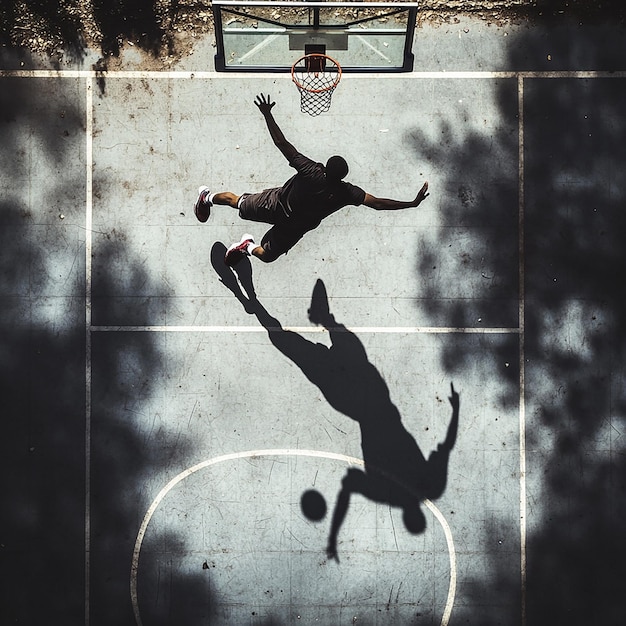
(396, 471)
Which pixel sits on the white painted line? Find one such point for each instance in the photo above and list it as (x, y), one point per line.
(88, 250)
(447, 612)
(263, 44)
(134, 569)
(572, 74)
(407, 330)
(375, 50)
(179, 74)
(47, 73)
(521, 314)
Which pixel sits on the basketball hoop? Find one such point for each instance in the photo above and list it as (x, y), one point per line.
(316, 76)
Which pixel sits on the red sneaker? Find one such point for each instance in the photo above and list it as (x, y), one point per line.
(238, 250)
(202, 207)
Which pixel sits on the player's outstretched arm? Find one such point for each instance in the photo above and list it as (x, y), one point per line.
(386, 204)
(454, 420)
(265, 105)
(437, 473)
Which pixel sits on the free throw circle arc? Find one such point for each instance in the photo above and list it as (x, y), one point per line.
(275, 452)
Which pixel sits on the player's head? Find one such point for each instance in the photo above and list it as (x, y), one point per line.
(413, 518)
(336, 168)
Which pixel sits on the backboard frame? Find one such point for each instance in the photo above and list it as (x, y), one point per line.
(299, 35)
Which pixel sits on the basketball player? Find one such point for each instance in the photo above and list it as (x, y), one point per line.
(299, 205)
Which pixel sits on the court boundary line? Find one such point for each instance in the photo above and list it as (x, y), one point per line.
(380, 330)
(89, 119)
(521, 242)
(203, 75)
(91, 75)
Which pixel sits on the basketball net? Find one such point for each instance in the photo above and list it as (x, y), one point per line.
(317, 77)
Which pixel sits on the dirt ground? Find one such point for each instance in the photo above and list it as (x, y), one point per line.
(166, 29)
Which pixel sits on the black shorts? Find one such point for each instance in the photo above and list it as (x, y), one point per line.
(262, 207)
(265, 207)
(279, 239)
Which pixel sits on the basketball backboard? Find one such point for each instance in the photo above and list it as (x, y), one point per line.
(270, 36)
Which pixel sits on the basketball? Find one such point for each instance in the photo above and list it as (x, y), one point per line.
(313, 505)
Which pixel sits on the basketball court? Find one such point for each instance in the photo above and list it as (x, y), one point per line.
(162, 433)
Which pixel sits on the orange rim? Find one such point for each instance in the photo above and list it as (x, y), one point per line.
(309, 89)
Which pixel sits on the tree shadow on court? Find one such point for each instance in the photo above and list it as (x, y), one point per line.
(127, 452)
(145, 23)
(137, 21)
(588, 11)
(46, 450)
(42, 381)
(133, 20)
(42, 377)
(575, 337)
(396, 471)
(42, 449)
(56, 21)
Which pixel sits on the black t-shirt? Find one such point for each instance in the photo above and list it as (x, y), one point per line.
(308, 196)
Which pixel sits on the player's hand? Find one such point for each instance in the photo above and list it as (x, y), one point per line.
(454, 398)
(265, 104)
(422, 195)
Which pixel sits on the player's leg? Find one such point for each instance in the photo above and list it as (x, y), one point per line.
(260, 207)
(225, 198)
(277, 241)
(206, 200)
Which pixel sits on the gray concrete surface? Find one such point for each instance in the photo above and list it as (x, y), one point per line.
(159, 439)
